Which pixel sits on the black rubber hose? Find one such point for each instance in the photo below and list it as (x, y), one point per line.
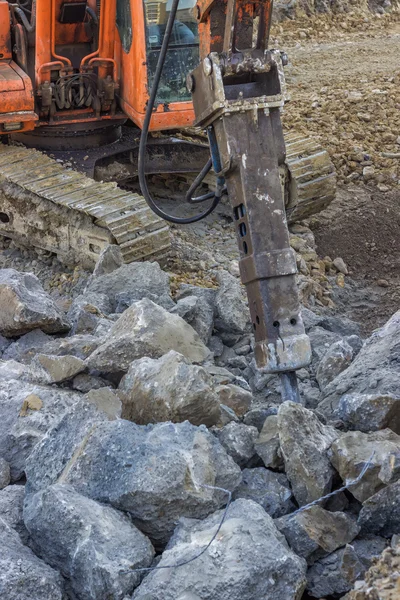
(145, 132)
(23, 18)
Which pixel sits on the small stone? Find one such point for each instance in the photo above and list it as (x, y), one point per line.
(268, 446)
(110, 259)
(238, 440)
(383, 283)
(232, 313)
(315, 532)
(56, 369)
(168, 389)
(270, 490)
(238, 399)
(341, 266)
(337, 359)
(24, 306)
(368, 173)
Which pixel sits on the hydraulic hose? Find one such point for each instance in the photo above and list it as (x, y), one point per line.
(145, 132)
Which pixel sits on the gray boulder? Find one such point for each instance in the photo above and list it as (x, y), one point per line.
(138, 279)
(11, 507)
(238, 440)
(268, 446)
(156, 473)
(24, 305)
(169, 388)
(304, 443)
(374, 371)
(55, 454)
(198, 312)
(27, 412)
(4, 473)
(249, 559)
(336, 573)
(269, 489)
(25, 348)
(11, 369)
(369, 412)
(80, 346)
(315, 532)
(96, 547)
(351, 451)
(380, 513)
(321, 340)
(231, 310)
(146, 329)
(110, 259)
(23, 576)
(337, 358)
(86, 311)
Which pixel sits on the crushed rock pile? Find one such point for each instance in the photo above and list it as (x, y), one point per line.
(128, 419)
(352, 112)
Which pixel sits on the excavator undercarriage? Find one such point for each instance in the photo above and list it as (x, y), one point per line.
(76, 213)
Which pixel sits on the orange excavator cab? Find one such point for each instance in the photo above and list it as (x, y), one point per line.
(73, 65)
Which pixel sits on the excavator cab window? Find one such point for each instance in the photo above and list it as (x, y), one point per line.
(183, 53)
(124, 24)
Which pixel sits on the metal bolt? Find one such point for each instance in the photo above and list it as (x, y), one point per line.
(190, 83)
(207, 66)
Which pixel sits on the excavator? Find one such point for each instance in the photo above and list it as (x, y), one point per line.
(95, 94)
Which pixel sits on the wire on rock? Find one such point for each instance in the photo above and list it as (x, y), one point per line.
(196, 556)
(342, 489)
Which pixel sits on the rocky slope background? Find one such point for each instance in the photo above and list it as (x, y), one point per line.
(132, 411)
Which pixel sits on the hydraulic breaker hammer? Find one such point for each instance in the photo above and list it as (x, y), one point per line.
(238, 95)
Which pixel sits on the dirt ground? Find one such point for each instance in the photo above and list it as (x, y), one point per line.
(345, 91)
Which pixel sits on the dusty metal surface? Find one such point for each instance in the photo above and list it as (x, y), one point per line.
(45, 205)
(238, 95)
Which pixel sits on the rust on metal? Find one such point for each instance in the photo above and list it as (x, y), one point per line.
(238, 95)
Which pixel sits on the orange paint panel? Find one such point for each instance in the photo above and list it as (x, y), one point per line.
(133, 86)
(15, 87)
(5, 38)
